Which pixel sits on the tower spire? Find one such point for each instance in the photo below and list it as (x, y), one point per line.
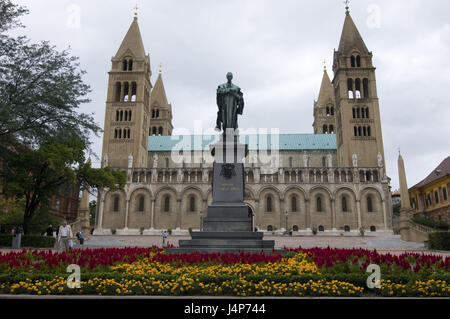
(404, 195)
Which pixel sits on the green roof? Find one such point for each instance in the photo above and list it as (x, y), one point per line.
(282, 142)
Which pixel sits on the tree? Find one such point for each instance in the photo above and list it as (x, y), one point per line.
(40, 90)
(36, 175)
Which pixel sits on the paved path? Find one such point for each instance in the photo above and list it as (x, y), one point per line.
(392, 243)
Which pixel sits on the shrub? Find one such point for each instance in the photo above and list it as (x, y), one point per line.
(314, 230)
(361, 231)
(113, 231)
(190, 231)
(169, 231)
(439, 240)
(141, 230)
(426, 221)
(29, 241)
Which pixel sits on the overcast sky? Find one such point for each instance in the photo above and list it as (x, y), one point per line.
(275, 49)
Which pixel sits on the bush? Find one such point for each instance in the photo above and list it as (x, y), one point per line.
(29, 241)
(113, 231)
(439, 240)
(429, 222)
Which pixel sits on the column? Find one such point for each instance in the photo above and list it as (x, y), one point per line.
(383, 203)
(307, 215)
(179, 213)
(101, 208)
(358, 210)
(152, 215)
(127, 207)
(282, 217)
(333, 214)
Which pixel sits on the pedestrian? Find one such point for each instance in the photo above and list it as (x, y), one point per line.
(81, 237)
(13, 230)
(20, 230)
(49, 231)
(164, 236)
(65, 236)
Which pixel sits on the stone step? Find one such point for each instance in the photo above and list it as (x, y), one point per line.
(227, 235)
(224, 243)
(225, 250)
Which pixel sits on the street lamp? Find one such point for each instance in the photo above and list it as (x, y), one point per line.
(286, 214)
(201, 221)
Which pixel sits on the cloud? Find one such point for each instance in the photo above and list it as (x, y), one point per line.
(275, 50)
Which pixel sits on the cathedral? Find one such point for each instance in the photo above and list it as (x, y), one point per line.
(331, 182)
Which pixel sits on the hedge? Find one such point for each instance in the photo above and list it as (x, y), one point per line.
(34, 241)
(439, 240)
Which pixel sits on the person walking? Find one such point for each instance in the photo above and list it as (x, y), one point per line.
(81, 237)
(49, 231)
(65, 235)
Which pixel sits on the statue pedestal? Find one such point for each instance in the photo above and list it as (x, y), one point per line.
(228, 226)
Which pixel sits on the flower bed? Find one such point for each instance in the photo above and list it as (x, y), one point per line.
(149, 271)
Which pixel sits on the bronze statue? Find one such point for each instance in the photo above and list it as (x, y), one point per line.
(230, 102)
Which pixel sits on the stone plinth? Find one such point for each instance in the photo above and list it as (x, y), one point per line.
(228, 226)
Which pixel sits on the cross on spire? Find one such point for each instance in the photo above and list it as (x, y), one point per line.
(136, 11)
(346, 2)
(324, 64)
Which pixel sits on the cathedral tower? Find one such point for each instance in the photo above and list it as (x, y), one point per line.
(161, 110)
(127, 112)
(324, 109)
(358, 125)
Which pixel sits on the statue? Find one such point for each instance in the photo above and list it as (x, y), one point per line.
(130, 161)
(330, 160)
(380, 160)
(230, 102)
(155, 161)
(355, 160)
(305, 160)
(105, 160)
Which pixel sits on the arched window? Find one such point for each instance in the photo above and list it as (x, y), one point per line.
(319, 204)
(166, 203)
(358, 113)
(124, 65)
(344, 204)
(121, 115)
(354, 113)
(133, 91)
(331, 129)
(293, 203)
(369, 133)
(355, 131)
(321, 228)
(154, 130)
(118, 91)
(116, 203)
(126, 92)
(359, 131)
(444, 193)
(366, 88)
(269, 203)
(153, 114)
(350, 88)
(328, 110)
(192, 204)
(115, 133)
(352, 61)
(295, 228)
(324, 161)
(358, 61)
(369, 204)
(367, 112)
(270, 228)
(117, 115)
(141, 203)
(157, 113)
(325, 129)
(364, 131)
(129, 115)
(120, 133)
(332, 111)
(130, 65)
(160, 131)
(358, 88)
(346, 228)
(373, 228)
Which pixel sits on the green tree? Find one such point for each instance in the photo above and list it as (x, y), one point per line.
(41, 89)
(36, 175)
